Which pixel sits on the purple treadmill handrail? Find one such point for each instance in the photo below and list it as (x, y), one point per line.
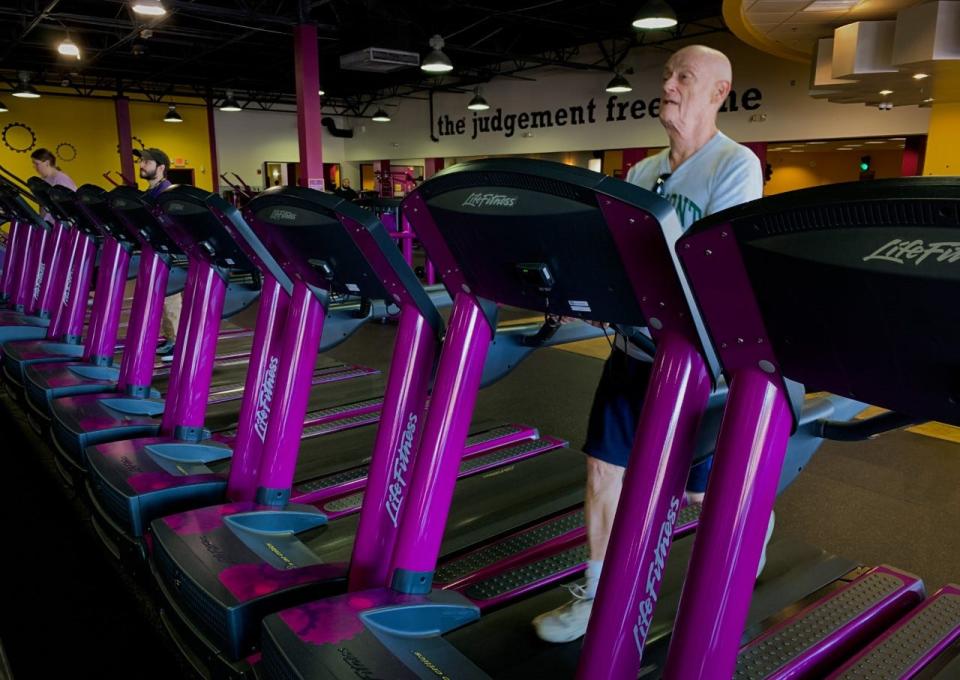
(196, 348)
(444, 434)
(62, 282)
(32, 274)
(653, 488)
(740, 496)
(403, 406)
(13, 258)
(55, 267)
(76, 300)
(139, 356)
(248, 446)
(298, 349)
(107, 301)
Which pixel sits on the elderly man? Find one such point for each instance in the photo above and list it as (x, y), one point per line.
(701, 172)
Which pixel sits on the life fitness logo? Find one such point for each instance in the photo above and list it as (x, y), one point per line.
(902, 251)
(264, 398)
(481, 200)
(655, 575)
(66, 288)
(38, 281)
(401, 464)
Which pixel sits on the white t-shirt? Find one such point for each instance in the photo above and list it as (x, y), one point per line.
(719, 175)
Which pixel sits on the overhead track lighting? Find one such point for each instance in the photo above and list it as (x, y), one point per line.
(230, 103)
(172, 115)
(619, 84)
(68, 48)
(150, 8)
(655, 14)
(25, 90)
(381, 116)
(436, 61)
(478, 103)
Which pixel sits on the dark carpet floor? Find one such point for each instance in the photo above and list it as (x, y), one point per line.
(68, 610)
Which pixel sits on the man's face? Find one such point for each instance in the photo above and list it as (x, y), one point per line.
(345, 183)
(689, 91)
(148, 169)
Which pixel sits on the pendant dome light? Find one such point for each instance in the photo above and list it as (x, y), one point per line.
(172, 115)
(25, 90)
(655, 14)
(230, 103)
(436, 61)
(381, 116)
(478, 103)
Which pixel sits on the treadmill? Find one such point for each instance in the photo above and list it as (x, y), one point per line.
(333, 462)
(63, 341)
(326, 243)
(879, 262)
(184, 222)
(563, 221)
(38, 251)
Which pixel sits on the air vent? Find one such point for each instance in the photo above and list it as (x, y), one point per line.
(379, 60)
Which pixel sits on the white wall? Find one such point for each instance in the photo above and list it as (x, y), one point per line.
(246, 139)
(791, 114)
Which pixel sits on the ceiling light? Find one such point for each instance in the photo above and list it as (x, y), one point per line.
(816, 142)
(928, 100)
(230, 103)
(655, 14)
(25, 90)
(150, 8)
(844, 148)
(3, 108)
(876, 141)
(619, 84)
(796, 150)
(68, 48)
(920, 76)
(830, 5)
(172, 115)
(478, 103)
(321, 92)
(885, 92)
(436, 61)
(381, 116)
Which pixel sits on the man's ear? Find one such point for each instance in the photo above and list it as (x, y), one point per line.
(721, 90)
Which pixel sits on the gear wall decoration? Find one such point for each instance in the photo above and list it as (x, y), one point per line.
(66, 152)
(10, 134)
(134, 142)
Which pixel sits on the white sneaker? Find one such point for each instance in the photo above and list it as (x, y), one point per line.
(763, 555)
(567, 622)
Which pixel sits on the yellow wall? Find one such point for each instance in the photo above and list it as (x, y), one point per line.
(90, 125)
(188, 141)
(814, 168)
(943, 141)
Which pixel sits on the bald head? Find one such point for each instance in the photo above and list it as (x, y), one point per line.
(711, 67)
(696, 81)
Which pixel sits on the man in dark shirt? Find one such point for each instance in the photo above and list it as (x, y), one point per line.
(153, 168)
(345, 191)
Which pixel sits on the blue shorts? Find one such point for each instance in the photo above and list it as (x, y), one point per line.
(616, 410)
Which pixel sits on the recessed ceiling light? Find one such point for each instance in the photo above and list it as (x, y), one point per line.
(920, 76)
(816, 142)
(886, 92)
(876, 141)
(796, 150)
(830, 5)
(898, 139)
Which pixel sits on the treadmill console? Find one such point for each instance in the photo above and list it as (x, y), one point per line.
(95, 201)
(136, 212)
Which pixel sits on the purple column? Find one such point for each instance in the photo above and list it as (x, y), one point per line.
(309, 113)
(248, 447)
(140, 346)
(394, 451)
(193, 361)
(431, 166)
(77, 294)
(424, 513)
(125, 138)
(652, 492)
(291, 391)
(13, 258)
(62, 284)
(105, 316)
(214, 164)
(740, 496)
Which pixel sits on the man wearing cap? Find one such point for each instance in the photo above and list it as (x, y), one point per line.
(153, 168)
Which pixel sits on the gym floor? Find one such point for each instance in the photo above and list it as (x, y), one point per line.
(69, 610)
